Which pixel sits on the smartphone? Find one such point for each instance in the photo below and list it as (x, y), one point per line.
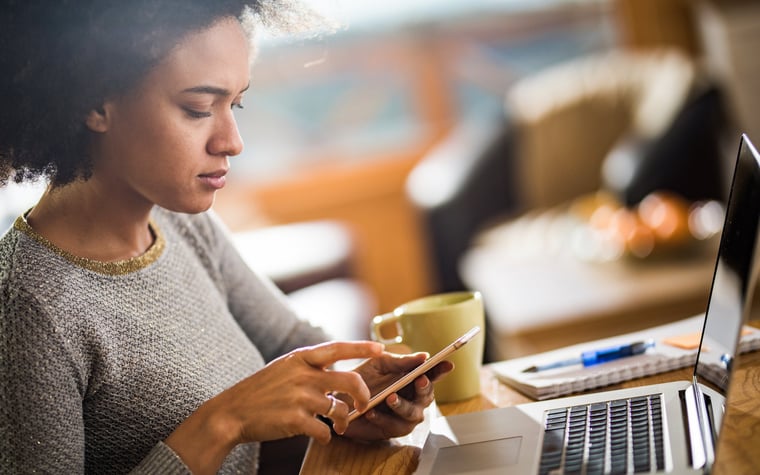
(418, 371)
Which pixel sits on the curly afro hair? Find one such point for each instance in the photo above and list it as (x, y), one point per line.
(61, 59)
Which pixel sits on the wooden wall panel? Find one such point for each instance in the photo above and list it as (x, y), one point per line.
(657, 23)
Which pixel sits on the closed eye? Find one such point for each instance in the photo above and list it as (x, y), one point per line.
(196, 114)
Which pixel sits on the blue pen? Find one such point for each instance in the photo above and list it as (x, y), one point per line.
(592, 357)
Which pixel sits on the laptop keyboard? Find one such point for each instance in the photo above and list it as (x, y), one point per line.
(612, 437)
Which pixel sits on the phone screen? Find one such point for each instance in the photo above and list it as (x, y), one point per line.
(419, 370)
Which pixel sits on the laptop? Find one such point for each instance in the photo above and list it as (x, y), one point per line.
(661, 428)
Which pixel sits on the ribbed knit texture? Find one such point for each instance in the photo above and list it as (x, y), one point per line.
(97, 369)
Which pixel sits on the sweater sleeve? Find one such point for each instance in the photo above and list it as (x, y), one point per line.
(41, 422)
(162, 459)
(260, 308)
(43, 385)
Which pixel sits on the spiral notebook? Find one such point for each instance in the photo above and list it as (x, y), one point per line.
(675, 347)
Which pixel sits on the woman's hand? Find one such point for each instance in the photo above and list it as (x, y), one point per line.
(281, 400)
(401, 411)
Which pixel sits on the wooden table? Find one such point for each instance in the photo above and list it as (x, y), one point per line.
(515, 264)
(737, 451)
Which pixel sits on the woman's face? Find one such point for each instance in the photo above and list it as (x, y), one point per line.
(169, 142)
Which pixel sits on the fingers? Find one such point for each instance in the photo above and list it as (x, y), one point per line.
(404, 409)
(324, 355)
(401, 420)
(326, 406)
(317, 429)
(440, 370)
(333, 404)
(339, 415)
(347, 382)
(412, 409)
(392, 363)
(406, 412)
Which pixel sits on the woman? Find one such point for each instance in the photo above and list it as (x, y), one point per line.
(132, 335)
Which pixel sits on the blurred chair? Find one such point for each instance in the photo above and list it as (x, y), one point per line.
(571, 116)
(649, 118)
(459, 186)
(312, 262)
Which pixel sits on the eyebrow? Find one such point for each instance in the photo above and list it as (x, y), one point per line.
(213, 90)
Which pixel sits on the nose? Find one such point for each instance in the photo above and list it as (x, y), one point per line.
(226, 139)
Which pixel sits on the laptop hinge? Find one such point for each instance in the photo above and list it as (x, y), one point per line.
(700, 436)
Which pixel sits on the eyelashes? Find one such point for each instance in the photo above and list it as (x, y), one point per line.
(197, 114)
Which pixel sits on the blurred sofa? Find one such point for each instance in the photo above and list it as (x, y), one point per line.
(623, 121)
(626, 122)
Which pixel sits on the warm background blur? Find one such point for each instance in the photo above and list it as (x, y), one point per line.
(334, 127)
(337, 126)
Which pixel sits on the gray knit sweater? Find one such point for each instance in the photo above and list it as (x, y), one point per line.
(99, 362)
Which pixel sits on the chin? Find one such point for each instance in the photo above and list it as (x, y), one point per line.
(200, 209)
(189, 208)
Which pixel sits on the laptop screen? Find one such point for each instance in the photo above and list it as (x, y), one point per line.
(734, 279)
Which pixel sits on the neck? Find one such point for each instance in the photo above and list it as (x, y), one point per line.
(87, 221)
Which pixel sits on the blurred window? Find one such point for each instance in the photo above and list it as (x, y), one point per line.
(398, 72)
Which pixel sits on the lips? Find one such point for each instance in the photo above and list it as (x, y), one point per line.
(215, 179)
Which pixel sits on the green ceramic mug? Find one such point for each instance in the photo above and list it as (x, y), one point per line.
(429, 324)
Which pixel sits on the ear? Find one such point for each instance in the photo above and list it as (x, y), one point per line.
(97, 119)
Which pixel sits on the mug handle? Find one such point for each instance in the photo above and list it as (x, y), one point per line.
(381, 321)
